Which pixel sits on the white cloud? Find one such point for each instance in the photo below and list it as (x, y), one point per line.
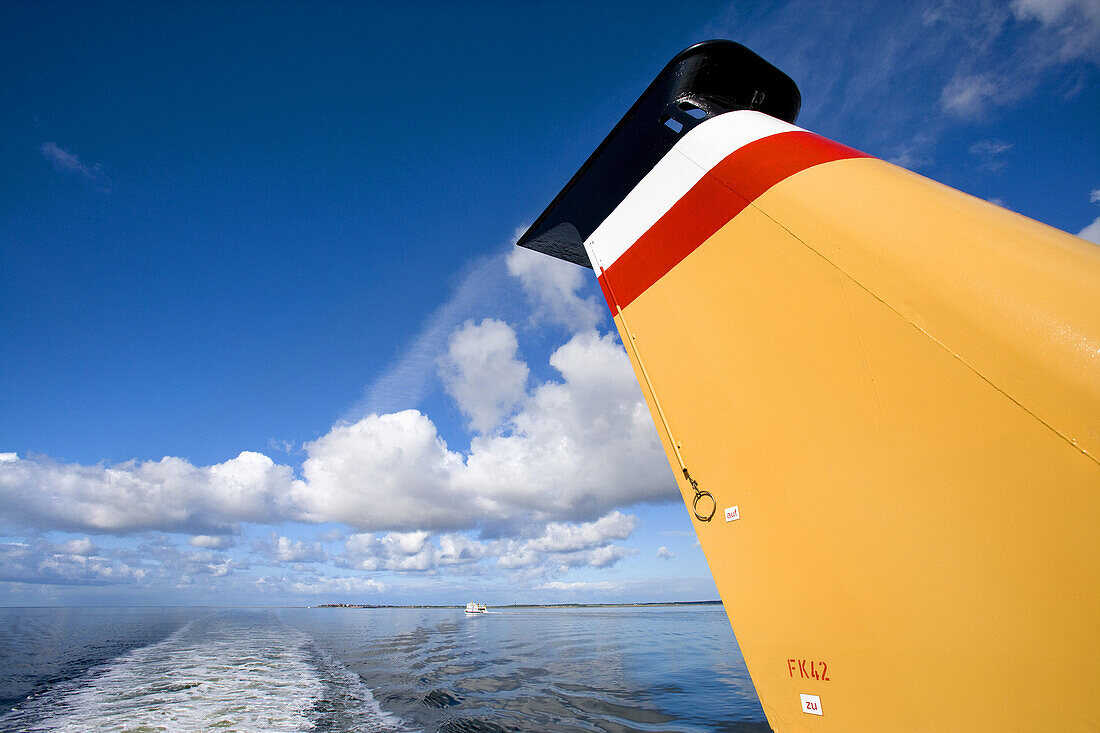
(482, 374)
(384, 472)
(576, 449)
(155, 562)
(1074, 23)
(164, 562)
(409, 551)
(211, 542)
(663, 553)
(1046, 12)
(216, 567)
(563, 545)
(561, 537)
(1094, 198)
(64, 161)
(887, 73)
(283, 549)
(546, 472)
(283, 446)
(83, 546)
(1091, 232)
(1051, 33)
(513, 554)
(457, 549)
(169, 494)
(990, 152)
(320, 584)
(604, 557)
(553, 288)
(558, 547)
(970, 95)
(72, 563)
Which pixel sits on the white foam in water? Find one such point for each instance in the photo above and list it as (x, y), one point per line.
(218, 674)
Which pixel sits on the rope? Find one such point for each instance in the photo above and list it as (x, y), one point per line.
(699, 493)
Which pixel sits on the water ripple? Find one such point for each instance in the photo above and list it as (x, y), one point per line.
(223, 672)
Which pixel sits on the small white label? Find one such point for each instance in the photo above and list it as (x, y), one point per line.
(811, 704)
(732, 514)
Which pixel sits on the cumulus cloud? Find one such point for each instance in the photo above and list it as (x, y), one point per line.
(561, 537)
(163, 561)
(285, 550)
(82, 546)
(481, 373)
(1094, 197)
(458, 549)
(602, 557)
(314, 585)
(578, 448)
(561, 546)
(72, 563)
(575, 450)
(169, 494)
(553, 288)
(535, 492)
(156, 562)
(410, 551)
(384, 472)
(211, 542)
(663, 553)
(394, 551)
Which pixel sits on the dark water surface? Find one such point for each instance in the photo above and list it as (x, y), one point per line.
(143, 669)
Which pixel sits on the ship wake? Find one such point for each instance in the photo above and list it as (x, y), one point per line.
(227, 671)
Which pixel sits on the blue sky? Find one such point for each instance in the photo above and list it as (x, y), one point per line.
(263, 337)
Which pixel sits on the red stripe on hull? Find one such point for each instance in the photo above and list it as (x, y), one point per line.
(718, 197)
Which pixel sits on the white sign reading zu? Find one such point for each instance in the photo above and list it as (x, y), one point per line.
(811, 704)
(732, 513)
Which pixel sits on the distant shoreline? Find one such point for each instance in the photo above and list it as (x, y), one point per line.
(529, 605)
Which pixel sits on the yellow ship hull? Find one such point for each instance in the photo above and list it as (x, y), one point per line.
(880, 397)
(896, 388)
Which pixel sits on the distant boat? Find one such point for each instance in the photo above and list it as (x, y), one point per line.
(476, 608)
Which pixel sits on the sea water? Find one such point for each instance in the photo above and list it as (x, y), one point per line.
(664, 668)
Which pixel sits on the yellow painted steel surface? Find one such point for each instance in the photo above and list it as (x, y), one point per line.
(899, 388)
